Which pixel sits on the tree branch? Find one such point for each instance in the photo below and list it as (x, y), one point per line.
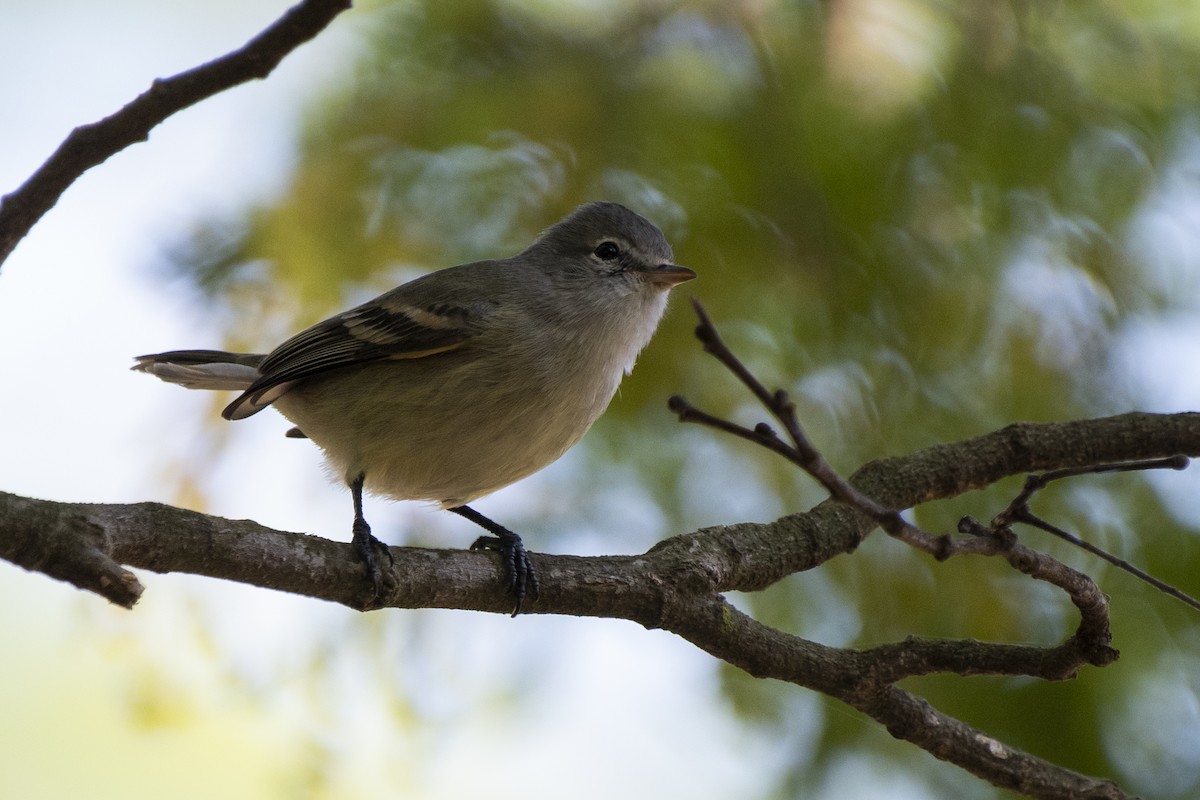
(875, 692)
(768, 552)
(92, 144)
(851, 676)
(675, 586)
(1018, 511)
(740, 556)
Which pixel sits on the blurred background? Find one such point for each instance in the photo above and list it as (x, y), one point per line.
(926, 220)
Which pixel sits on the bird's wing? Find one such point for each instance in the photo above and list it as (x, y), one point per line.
(390, 327)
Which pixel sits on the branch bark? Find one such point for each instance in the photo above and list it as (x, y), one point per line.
(675, 586)
(92, 144)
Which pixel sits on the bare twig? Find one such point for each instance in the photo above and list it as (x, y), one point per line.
(89, 145)
(1035, 483)
(1019, 511)
(995, 539)
(1092, 635)
(1030, 519)
(801, 451)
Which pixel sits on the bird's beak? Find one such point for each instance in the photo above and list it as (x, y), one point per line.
(668, 275)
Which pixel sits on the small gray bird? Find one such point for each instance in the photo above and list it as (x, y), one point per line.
(465, 380)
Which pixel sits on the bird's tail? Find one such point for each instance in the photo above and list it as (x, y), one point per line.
(202, 369)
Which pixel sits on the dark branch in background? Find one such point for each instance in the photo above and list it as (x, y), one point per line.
(89, 145)
(868, 683)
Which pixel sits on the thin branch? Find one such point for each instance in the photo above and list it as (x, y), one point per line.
(1019, 511)
(1035, 483)
(803, 453)
(995, 540)
(92, 144)
(1029, 518)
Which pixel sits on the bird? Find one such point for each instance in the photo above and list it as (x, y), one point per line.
(464, 380)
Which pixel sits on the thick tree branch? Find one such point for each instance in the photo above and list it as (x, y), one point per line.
(49, 538)
(90, 145)
(676, 585)
(742, 556)
(852, 676)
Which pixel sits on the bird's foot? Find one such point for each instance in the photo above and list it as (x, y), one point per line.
(521, 577)
(372, 553)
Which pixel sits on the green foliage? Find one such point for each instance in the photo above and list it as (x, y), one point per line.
(921, 218)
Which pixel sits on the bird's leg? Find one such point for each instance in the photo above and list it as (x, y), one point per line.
(367, 547)
(518, 569)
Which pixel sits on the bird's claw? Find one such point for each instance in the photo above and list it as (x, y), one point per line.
(521, 577)
(369, 551)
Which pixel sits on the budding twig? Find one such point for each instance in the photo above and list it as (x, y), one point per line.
(800, 451)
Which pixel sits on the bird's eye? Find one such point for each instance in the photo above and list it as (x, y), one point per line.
(607, 251)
